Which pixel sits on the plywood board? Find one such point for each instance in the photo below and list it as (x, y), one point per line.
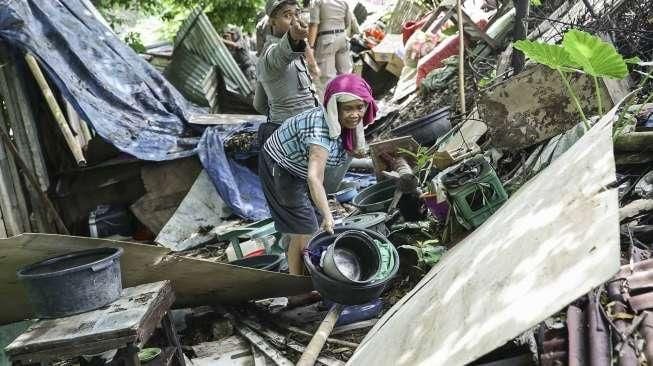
(551, 242)
(534, 106)
(195, 281)
(198, 214)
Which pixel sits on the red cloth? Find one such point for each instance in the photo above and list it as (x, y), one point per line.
(354, 84)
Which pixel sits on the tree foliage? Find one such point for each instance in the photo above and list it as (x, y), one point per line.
(221, 12)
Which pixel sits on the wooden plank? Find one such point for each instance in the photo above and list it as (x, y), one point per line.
(227, 346)
(12, 220)
(225, 119)
(128, 317)
(25, 130)
(274, 354)
(73, 144)
(19, 201)
(195, 281)
(551, 242)
(193, 222)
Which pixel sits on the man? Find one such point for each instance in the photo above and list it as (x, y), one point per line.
(327, 34)
(284, 86)
(239, 49)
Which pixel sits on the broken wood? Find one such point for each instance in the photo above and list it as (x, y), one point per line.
(355, 326)
(272, 353)
(635, 208)
(634, 141)
(461, 58)
(72, 143)
(45, 200)
(283, 341)
(307, 334)
(317, 342)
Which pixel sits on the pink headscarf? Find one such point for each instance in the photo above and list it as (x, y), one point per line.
(352, 84)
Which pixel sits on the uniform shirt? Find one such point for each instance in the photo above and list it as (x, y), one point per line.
(283, 84)
(290, 144)
(330, 15)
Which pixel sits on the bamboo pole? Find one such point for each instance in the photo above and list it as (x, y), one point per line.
(461, 59)
(8, 203)
(24, 127)
(73, 144)
(13, 182)
(319, 338)
(32, 180)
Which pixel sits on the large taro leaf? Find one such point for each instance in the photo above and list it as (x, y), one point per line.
(551, 55)
(595, 57)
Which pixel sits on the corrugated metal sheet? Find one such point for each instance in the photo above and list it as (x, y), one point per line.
(198, 36)
(195, 78)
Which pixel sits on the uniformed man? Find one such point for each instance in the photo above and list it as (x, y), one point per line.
(284, 86)
(239, 49)
(329, 22)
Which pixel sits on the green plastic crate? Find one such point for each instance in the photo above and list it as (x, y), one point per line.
(477, 199)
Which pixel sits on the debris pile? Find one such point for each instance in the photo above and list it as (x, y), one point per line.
(508, 179)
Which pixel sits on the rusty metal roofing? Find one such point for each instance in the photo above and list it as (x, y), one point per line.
(195, 78)
(198, 36)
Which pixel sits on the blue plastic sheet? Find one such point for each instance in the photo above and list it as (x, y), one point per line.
(125, 100)
(236, 184)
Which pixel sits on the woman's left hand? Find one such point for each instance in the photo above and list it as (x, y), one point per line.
(328, 224)
(359, 153)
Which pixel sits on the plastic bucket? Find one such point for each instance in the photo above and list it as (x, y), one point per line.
(341, 292)
(268, 262)
(375, 198)
(73, 283)
(353, 257)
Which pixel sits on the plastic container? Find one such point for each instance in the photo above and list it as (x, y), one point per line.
(439, 210)
(477, 198)
(108, 220)
(375, 198)
(374, 221)
(73, 283)
(426, 130)
(346, 195)
(357, 313)
(268, 262)
(353, 257)
(346, 293)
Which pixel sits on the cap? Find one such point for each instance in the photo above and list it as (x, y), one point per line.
(272, 5)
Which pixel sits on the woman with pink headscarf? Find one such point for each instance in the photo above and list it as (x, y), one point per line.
(293, 160)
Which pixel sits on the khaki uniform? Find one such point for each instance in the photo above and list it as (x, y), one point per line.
(332, 45)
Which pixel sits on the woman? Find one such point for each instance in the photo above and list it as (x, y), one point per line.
(293, 160)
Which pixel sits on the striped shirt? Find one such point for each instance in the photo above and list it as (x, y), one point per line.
(290, 144)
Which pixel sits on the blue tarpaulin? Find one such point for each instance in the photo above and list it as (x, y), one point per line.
(125, 100)
(238, 184)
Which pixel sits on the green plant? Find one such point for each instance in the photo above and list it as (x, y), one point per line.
(134, 41)
(423, 163)
(579, 52)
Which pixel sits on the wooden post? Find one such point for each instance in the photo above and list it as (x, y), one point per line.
(73, 144)
(32, 180)
(25, 137)
(461, 59)
(10, 213)
(319, 338)
(17, 204)
(519, 31)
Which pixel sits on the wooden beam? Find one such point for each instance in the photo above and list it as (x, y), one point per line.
(314, 348)
(32, 180)
(73, 144)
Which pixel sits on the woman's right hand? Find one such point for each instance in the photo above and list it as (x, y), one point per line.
(328, 224)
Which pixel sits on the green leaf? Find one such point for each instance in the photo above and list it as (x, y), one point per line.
(633, 60)
(595, 57)
(551, 55)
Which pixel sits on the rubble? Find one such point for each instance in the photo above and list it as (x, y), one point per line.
(544, 261)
